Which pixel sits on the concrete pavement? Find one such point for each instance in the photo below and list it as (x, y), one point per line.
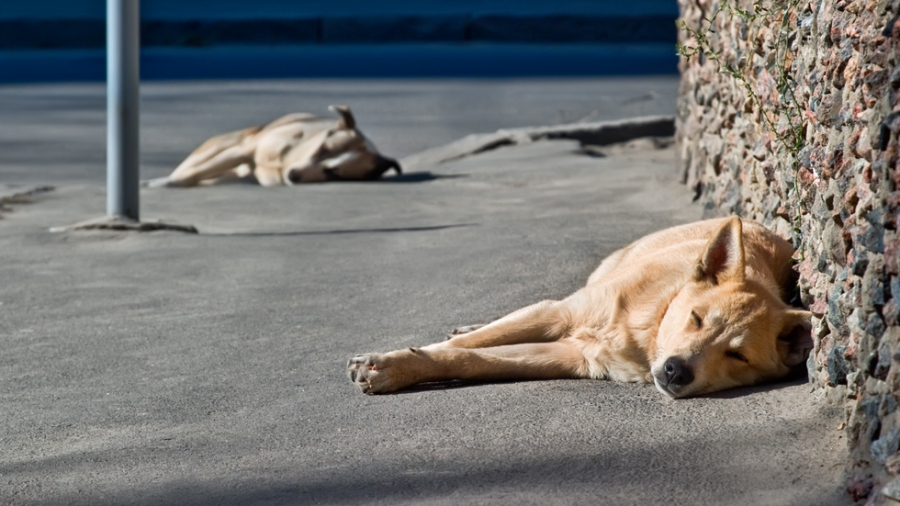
(166, 368)
(57, 133)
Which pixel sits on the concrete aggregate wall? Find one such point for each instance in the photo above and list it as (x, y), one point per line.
(827, 71)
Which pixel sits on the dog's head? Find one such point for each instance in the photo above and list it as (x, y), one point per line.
(340, 152)
(723, 330)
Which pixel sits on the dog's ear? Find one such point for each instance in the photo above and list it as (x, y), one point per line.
(795, 339)
(347, 120)
(723, 258)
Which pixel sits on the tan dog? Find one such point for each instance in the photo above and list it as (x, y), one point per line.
(694, 309)
(297, 148)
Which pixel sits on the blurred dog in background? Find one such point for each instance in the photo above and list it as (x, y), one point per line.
(297, 148)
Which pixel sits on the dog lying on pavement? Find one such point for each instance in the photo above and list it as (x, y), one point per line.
(297, 148)
(694, 309)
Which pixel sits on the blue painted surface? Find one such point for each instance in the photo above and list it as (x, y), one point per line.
(61, 40)
(275, 9)
(384, 60)
(505, 29)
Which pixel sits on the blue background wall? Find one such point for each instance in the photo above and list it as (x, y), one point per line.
(63, 40)
(210, 9)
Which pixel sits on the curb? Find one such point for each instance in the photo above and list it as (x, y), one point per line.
(598, 133)
(14, 194)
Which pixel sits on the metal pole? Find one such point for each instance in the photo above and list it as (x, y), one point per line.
(122, 108)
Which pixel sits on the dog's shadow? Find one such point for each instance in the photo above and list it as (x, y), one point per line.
(436, 385)
(408, 177)
(793, 380)
(417, 177)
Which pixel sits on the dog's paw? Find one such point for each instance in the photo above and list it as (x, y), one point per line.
(465, 329)
(160, 182)
(371, 373)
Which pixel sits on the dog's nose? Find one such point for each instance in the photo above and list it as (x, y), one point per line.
(295, 176)
(677, 372)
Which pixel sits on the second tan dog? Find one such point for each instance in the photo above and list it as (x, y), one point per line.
(297, 148)
(694, 309)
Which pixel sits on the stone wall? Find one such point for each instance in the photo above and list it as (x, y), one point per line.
(803, 136)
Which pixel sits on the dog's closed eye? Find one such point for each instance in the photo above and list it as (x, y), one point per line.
(736, 355)
(698, 322)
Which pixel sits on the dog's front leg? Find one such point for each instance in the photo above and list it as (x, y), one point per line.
(190, 173)
(541, 322)
(382, 373)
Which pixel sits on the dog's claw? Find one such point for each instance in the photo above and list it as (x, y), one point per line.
(362, 369)
(376, 373)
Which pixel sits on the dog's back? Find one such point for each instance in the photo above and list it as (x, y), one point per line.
(676, 249)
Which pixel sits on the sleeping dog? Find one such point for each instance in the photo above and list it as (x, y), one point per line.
(297, 148)
(693, 309)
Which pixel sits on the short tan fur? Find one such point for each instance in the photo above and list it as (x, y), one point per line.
(693, 309)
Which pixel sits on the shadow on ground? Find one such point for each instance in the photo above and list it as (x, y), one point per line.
(583, 478)
(339, 232)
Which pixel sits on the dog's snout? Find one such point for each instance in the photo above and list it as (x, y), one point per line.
(677, 372)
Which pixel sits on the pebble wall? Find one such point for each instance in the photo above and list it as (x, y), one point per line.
(805, 140)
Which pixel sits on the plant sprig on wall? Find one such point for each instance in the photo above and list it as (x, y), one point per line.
(782, 121)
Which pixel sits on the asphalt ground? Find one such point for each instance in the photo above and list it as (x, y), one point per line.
(57, 133)
(174, 369)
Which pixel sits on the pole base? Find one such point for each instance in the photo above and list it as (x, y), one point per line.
(126, 224)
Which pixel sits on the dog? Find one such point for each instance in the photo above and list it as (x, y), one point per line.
(296, 148)
(694, 309)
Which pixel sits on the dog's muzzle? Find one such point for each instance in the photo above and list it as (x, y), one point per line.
(674, 375)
